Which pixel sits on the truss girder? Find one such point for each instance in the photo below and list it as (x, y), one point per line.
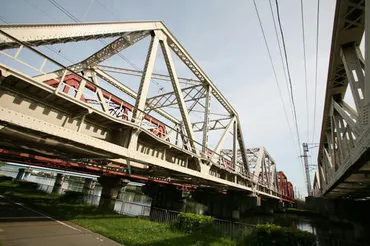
(261, 165)
(345, 129)
(127, 34)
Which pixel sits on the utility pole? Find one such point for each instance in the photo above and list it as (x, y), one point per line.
(307, 169)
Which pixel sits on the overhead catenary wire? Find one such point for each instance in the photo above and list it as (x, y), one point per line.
(289, 77)
(75, 19)
(128, 61)
(316, 67)
(49, 48)
(281, 54)
(305, 70)
(273, 67)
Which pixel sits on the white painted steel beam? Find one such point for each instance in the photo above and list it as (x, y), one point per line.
(221, 141)
(178, 93)
(354, 74)
(44, 34)
(206, 120)
(157, 76)
(147, 74)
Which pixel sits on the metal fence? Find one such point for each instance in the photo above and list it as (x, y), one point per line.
(163, 215)
(132, 208)
(227, 228)
(141, 207)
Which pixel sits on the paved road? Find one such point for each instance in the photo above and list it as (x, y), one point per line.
(20, 225)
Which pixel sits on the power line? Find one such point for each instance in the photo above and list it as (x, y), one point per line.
(50, 48)
(161, 88)
(2, 19)
(316, 66)
(288, 71)
(273, 67)
(305, 67)
(69, 14)
(75, 19)
(281, 54)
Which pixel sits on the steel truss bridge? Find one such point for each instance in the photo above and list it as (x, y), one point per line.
(83, 116)
(344, 154)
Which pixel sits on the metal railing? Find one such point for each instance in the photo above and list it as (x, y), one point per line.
(163, 215)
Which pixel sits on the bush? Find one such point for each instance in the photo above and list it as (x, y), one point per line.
(24, 184)
(269, 234)
(189, 223)
(72, 197)
(5, 178)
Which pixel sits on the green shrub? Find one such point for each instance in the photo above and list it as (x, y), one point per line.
(72, 197)
(5, 178)
(189, 223)
(269, 234)
(24, 184)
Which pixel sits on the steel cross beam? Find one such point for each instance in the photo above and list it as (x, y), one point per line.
(46, 34)
(111, 49)
(155, 76)
(169, 98)
(214, 124)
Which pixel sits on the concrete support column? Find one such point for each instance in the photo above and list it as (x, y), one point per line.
(167, 197)
(57, 189)
(27, 175)
(269, 206)
(20, 174)
(111, 187)
(88, 187)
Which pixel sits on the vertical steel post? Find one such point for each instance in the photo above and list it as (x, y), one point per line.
(206, 120)
(235, 145)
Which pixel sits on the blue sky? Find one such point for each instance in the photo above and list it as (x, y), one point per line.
(225, 39)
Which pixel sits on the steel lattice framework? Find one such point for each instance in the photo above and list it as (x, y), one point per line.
(171, 139)
(261, 165)
(345, 136)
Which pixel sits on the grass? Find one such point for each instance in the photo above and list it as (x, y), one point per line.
(122, 229)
